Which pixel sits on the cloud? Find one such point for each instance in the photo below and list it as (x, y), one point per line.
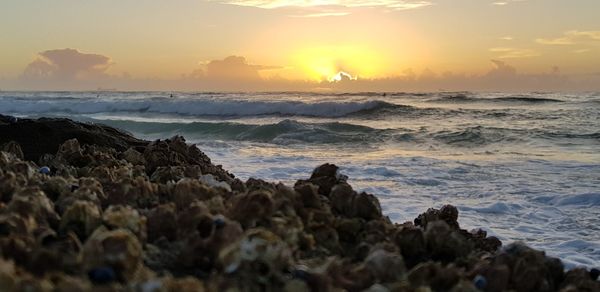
(506, 2)
(509, 53)
(572, 37)
(235, 68)
(322, 14)
(581, 51)
(66, 64)
(502, 70)
(72, 70)
(390, 4)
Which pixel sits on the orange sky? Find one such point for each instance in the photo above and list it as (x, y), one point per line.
(69, 44)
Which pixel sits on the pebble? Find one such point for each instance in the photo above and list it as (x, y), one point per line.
(480, 282)
(45, 170)
(102, 275)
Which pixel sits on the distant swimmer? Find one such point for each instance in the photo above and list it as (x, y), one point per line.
(171, 95)
(384, 94)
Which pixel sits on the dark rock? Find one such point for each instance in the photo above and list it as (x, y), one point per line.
(162, 222)
(438, 277)
(325, 177)
(579, 279)
(175, 152)
(351, 204)
(14, 148)
(412, 245)
(445, 244)
(45, 135)
(447, 213)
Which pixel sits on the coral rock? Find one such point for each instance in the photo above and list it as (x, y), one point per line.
(125, 217)
(133, 156)
(117, 249)
(351, 204)
(162, 222)
(13, 148)
(82, 218)
(385, 266)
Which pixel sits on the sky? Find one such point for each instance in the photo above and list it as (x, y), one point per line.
(262, 45)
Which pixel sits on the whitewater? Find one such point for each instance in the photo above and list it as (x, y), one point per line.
(523, 166)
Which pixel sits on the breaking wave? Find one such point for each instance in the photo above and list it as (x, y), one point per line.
(465, 98)
(193, 107)
(290, 131)
(284, 132)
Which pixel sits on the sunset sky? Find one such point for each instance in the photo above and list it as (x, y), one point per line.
(132, 44)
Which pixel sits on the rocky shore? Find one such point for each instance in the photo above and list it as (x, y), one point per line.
(90, 208)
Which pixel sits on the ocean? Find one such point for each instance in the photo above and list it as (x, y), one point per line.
(523, 167)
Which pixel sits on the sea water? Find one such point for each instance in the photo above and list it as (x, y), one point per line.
(524, 167)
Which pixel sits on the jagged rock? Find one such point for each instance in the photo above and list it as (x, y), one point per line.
(44, 135)
(133, 156)
(162, 222)
(447, 213)
(125, 217)
(411, 241)
(82, 218)
(325, 177)
(14, 148)
(352, 204)
(444, 243)
(117, 249)
(252, 207)
(385, 266)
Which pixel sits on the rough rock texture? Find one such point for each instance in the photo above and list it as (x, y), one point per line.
(44, 135)
(38, 139)
(160, 217)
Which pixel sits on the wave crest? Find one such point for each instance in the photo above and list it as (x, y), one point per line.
(191, 107)
(284, 132)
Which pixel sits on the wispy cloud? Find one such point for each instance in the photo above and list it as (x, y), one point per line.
(581, 51)
(322, 14)
(390, 4)
(509, 53)
(572, 37)
(555, 41)
(505, 2)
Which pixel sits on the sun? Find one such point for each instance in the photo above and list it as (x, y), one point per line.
(342, 76)
(335, 63)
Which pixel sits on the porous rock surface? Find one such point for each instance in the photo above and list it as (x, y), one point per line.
(124, 214)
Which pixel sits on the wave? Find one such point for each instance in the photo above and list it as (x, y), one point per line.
(284, 132)
(192, 107)
(480, 136)
(295, 132)
(464, 98)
